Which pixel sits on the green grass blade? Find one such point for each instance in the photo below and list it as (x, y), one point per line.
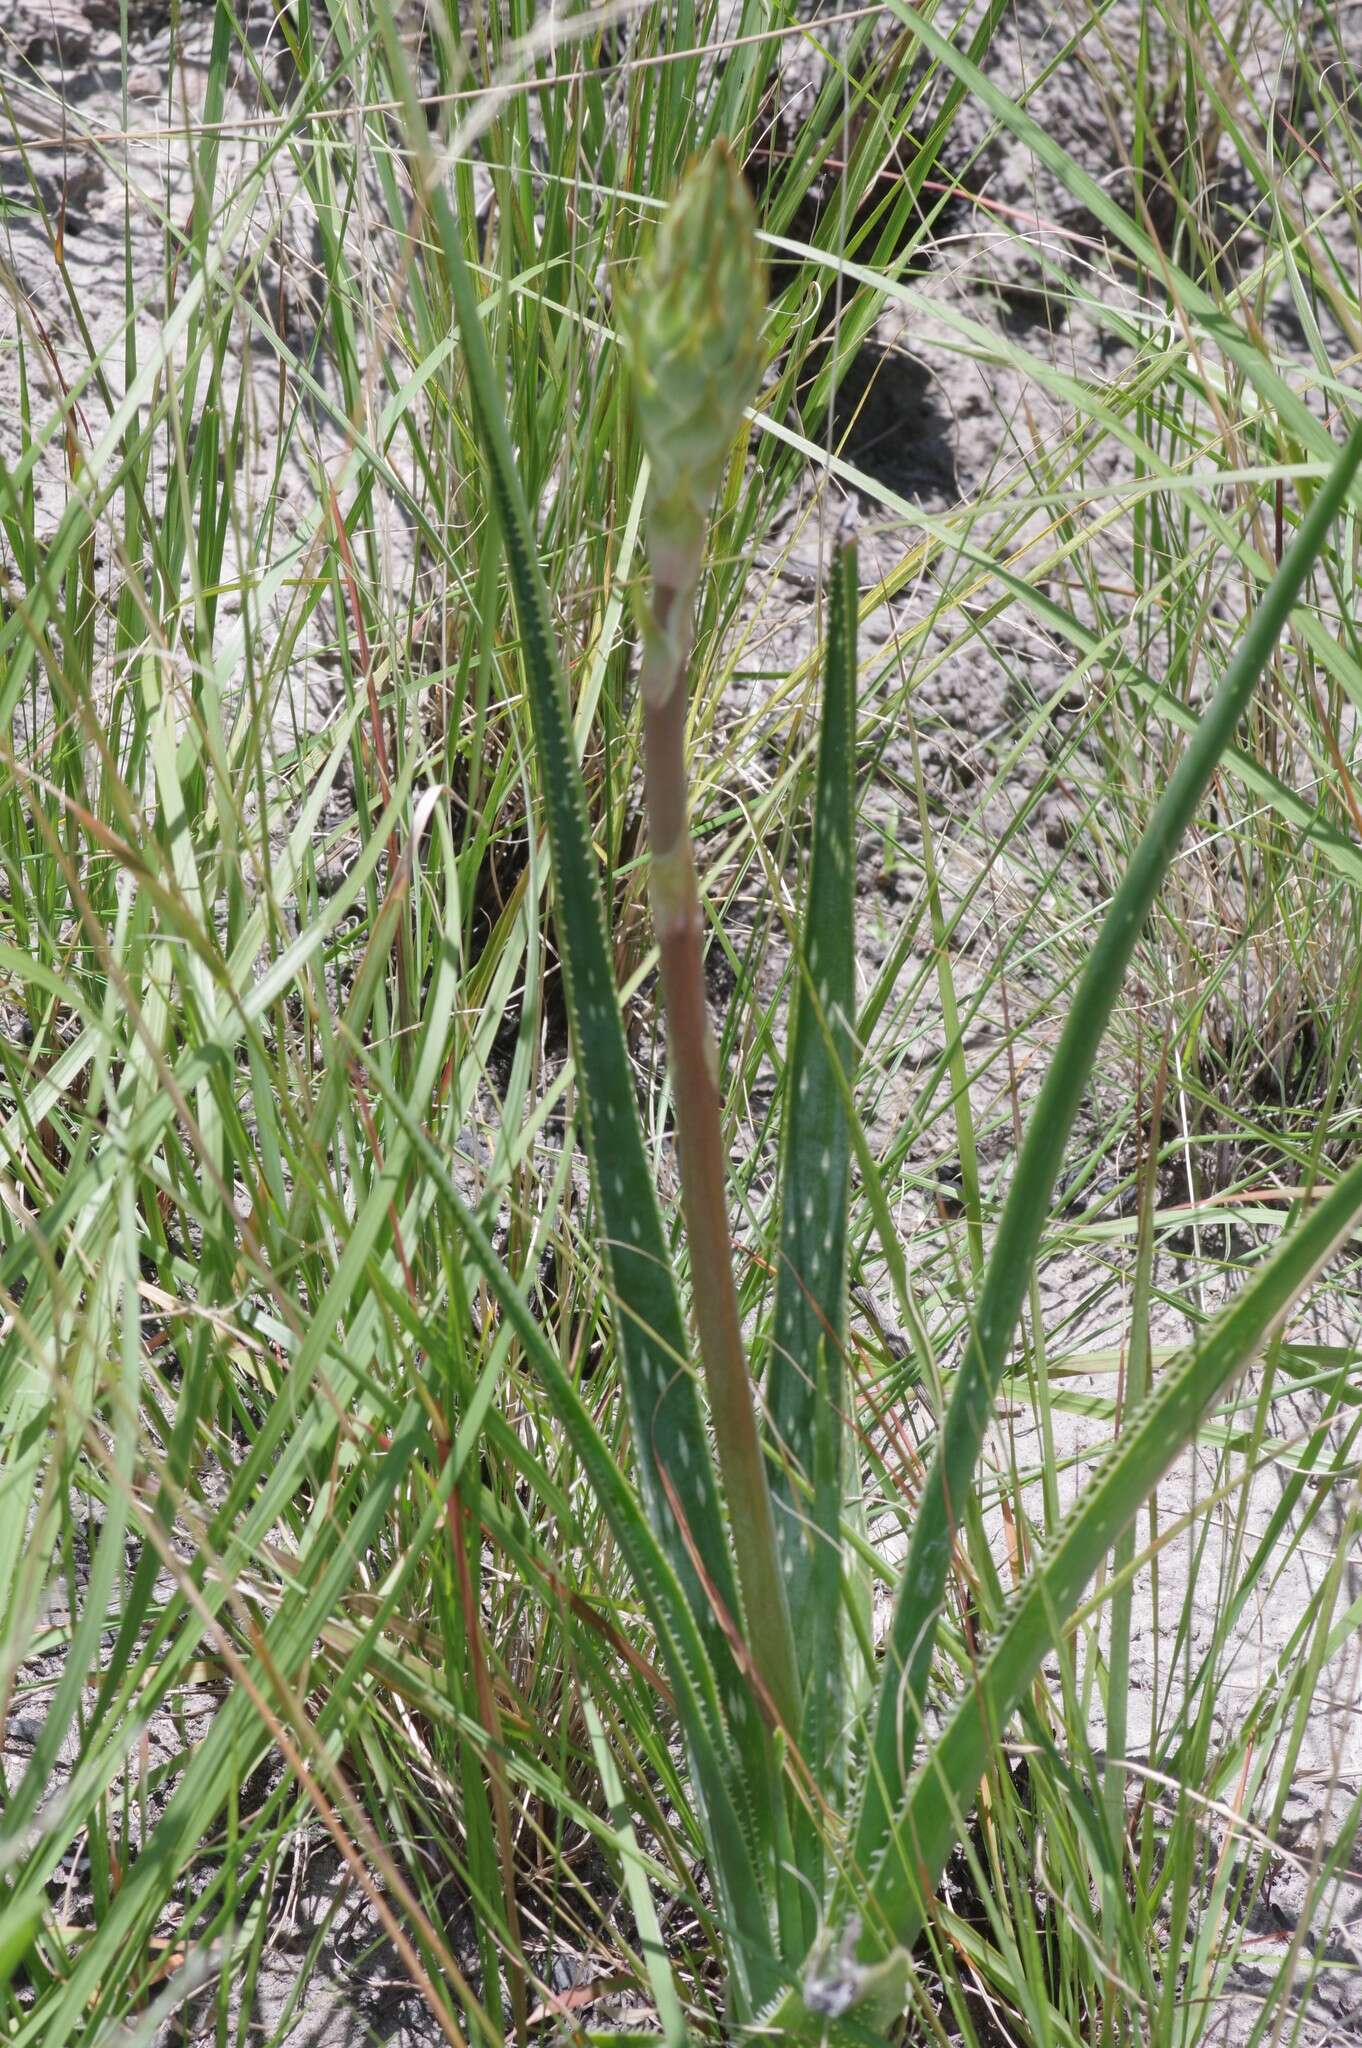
(1278, 397)
(203, 1787)
(912, 1638)
(671, 2019)
(944, 1785)
(684, 1651)
(895, 1902)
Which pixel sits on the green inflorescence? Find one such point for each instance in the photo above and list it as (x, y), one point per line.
(693, 329)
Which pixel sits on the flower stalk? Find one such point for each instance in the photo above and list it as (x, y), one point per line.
(693, 331)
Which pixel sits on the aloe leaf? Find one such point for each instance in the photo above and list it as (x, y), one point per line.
(804, 1383)
(650, 1329)
(1166, 1421)
(947, 1489)
(684, 1651)
(894, 1899)
(675, 1464)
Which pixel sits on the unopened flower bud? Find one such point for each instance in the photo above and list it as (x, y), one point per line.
(692, 327)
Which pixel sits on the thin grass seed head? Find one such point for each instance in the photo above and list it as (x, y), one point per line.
(692, 327)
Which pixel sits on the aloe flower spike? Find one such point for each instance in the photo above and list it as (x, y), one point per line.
(693, 331)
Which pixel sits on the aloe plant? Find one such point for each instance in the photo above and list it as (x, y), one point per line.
(488, 1556)
(716, 1548)
(694, 336)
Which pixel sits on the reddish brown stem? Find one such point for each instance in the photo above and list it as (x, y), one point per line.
(678, 923)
